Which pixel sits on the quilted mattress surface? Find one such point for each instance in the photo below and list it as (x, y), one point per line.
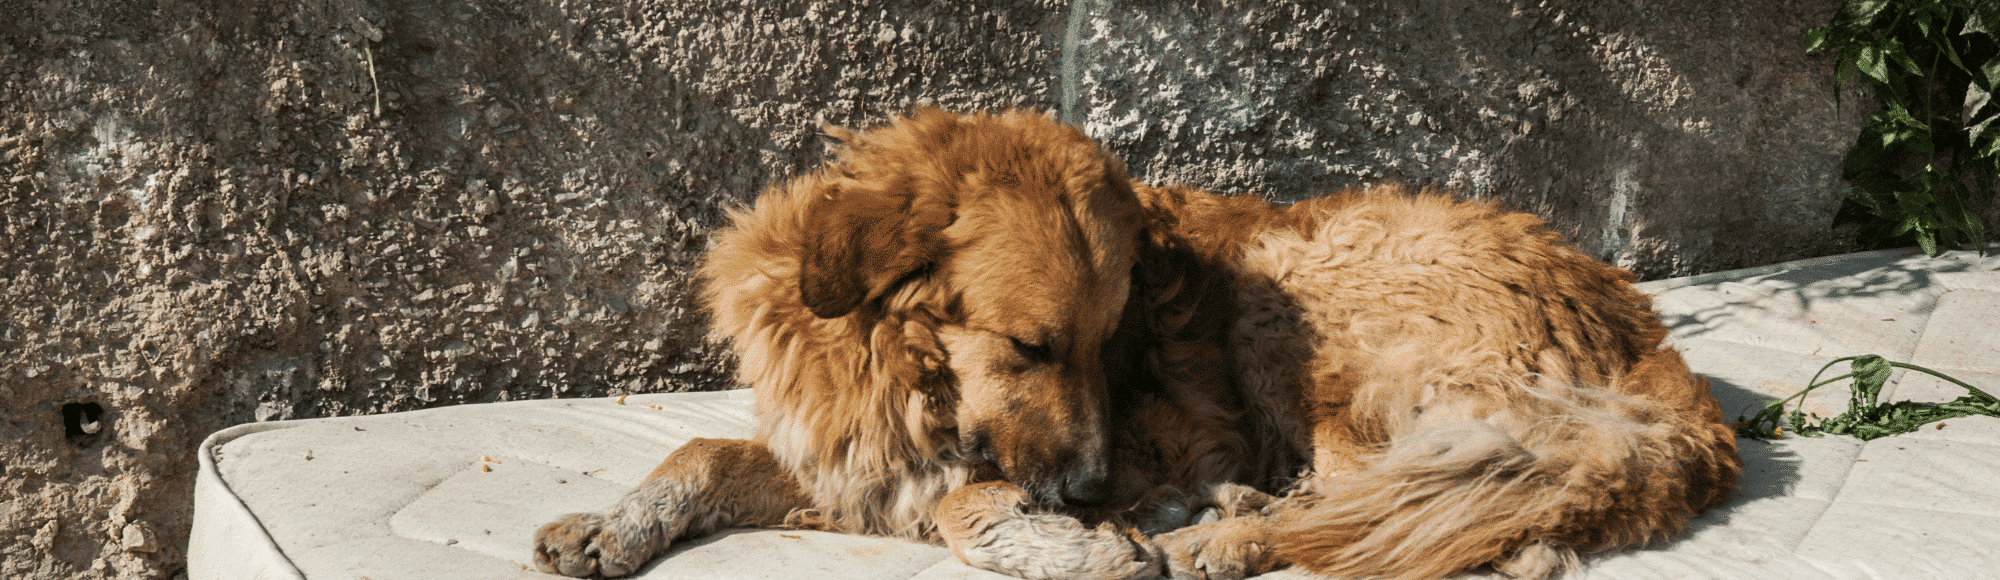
(457, 492)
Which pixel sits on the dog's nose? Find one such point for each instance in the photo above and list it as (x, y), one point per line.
(1086, 491)
(978, 446)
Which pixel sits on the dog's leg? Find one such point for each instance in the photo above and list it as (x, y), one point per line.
(702, 486)
(1227, 540)
(990, 526)
(1225, 549)
(1229, 500)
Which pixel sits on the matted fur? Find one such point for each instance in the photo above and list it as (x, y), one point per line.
(974, 329)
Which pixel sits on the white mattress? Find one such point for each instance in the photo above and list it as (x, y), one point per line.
(458, 492)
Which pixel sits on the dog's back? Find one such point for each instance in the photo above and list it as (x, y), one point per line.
(1467, 388)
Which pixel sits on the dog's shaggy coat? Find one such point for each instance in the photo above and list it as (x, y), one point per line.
(976, 329)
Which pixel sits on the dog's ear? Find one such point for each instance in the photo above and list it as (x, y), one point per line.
(865, 240)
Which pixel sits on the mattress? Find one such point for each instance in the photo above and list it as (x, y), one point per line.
(457, 492)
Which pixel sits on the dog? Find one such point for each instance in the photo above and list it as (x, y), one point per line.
(978, 330)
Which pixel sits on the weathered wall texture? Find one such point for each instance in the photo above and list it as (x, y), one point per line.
(219, 212)
(1667, 137)
(208, 219)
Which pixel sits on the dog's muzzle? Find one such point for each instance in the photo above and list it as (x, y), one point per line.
(1072, 481)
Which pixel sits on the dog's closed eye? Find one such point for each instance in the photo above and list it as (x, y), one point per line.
(1034, 352)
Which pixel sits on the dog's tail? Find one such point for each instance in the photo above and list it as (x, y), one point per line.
(1522, 481)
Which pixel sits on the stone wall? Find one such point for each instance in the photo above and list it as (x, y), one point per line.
(230, 211)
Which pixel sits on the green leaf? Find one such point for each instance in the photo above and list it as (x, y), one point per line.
(1896, 114)
(1919, 143)
(1871, 62)
(1888, 124)
(1839, 78)
(1985, 19)
(1860, 11)
(1895, 52)
(1896, 128)
(1985, 174)
(1893, 137)
(1816, 38)
(1976, 99)
(1907, 224)
(1944, 45)
(1898, 48)
(1917, 198)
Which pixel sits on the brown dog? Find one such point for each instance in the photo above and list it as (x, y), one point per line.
(975, 329)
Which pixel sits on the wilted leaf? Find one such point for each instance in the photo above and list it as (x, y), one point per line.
(1866, 417)
(1870, 373)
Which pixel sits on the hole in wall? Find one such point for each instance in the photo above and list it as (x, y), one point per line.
(83, 422)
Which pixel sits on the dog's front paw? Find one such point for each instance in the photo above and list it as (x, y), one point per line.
(990, 526)
(1121, 553)
(1229, 549)
(583, 544)
(1049, 546)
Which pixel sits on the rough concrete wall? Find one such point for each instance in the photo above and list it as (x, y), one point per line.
(220, 212)
(209, 219)
(1666, 137)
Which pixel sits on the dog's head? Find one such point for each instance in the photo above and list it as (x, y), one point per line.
(1014, 236)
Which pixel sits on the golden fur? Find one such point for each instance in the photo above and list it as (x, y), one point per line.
(1468, 389)
(974, 329)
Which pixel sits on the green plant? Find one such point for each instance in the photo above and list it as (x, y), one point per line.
(1934, 147)
(1866, 417)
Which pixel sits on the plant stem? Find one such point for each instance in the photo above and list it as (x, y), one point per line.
(1974, 390)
